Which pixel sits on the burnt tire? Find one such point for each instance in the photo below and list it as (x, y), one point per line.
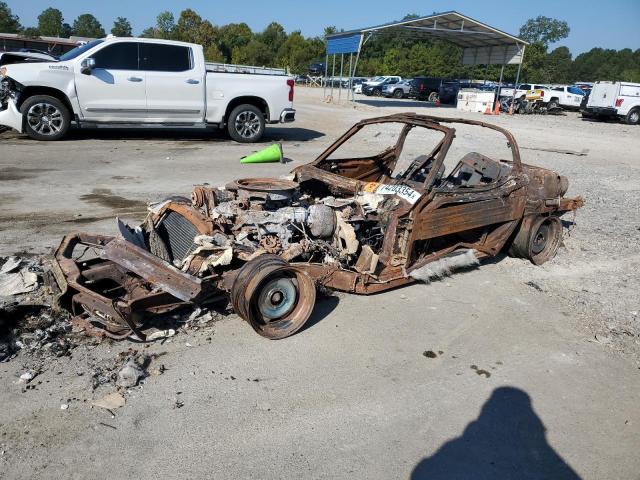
(45, 118)
(246, 123)
(275, 297)
(538, 239)
(433, 97)
(632, 117)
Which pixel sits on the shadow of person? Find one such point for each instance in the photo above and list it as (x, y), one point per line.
(507, 441)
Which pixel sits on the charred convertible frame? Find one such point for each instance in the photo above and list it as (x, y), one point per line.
(347, 224)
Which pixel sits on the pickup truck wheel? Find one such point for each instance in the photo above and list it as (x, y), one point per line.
(633, 117)
(45, 117)
(246, 124)
(398, 93)
(553, 104)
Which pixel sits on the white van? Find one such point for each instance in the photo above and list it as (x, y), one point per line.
(615, 99)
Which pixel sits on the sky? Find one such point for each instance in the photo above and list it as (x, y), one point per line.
(606, 24)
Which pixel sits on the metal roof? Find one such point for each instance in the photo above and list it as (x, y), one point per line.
(480, 42)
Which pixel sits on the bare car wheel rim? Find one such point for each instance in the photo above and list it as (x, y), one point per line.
(277, 298)
(45, 119)
(540, 239)
(247, 124)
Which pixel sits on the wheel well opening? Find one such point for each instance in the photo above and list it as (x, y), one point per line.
(52, 92)
(255, 101)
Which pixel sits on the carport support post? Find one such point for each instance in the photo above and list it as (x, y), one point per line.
(350, 74)
(333, 74)
(499, 87)
(515, 86)
(340, 84)
(326, 72)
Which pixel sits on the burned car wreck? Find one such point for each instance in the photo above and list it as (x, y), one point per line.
(349, 223)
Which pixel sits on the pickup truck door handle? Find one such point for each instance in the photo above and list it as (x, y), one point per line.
(193, 81)
(134, 79)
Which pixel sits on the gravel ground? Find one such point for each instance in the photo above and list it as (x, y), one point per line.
(524, 371)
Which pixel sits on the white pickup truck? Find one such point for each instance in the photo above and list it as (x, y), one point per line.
(615, 99)
(139, 82)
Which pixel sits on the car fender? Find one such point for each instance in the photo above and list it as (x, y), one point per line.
(55, 75)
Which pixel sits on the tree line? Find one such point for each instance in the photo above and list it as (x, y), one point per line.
(383, 54)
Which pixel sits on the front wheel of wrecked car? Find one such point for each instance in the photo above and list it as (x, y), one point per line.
(45, 117)
(538, 239)
(275, 297)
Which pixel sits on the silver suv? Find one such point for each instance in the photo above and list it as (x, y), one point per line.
(397, 90)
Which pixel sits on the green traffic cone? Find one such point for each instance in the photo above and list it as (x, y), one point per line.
(266, 155)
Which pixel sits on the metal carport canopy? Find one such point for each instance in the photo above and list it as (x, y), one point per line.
(481, 44)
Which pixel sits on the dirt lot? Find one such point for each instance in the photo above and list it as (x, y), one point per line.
(506, 371)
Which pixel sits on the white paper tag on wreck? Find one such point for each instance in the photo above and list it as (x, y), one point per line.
(404, 192)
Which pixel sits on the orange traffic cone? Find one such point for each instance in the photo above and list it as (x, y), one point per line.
(496, 110)
(488, 110)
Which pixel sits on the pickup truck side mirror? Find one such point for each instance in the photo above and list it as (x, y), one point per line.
(87, 65)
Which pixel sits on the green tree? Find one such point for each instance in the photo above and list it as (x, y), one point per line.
(254, 53)
(273, 37)
(9, 23)
(50, 23)
(558, 66)
(86, 25)
(31, 32)
(164, 27)
(544, 30)
(188, 26)
(234, 35)
(121, 27)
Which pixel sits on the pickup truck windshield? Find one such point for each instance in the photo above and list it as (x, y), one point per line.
(71, 54)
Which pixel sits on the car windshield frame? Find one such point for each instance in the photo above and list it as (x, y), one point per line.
(76, 52)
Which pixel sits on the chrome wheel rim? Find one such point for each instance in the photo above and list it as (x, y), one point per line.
(247, 124)
(634, 117)
(45, 119)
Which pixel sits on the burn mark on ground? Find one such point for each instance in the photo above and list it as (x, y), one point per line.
(106, 198)
(10, 174)
(480, 371)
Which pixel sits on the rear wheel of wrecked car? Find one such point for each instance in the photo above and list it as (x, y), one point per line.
(538, 239)
(398, 93)
(633, 117)
(275, 297)
(433, 97)
(246, 124)
(45, 117)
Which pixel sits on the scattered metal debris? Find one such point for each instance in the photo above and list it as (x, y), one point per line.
(350, 224)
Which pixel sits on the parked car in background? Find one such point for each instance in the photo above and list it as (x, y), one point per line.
(374, 87)
(615, 100)
(316, 69)
(140, 82)
(302, 79)
(397, 90)
(426, 88)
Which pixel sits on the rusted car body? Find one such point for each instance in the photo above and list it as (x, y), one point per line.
(350, 224)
